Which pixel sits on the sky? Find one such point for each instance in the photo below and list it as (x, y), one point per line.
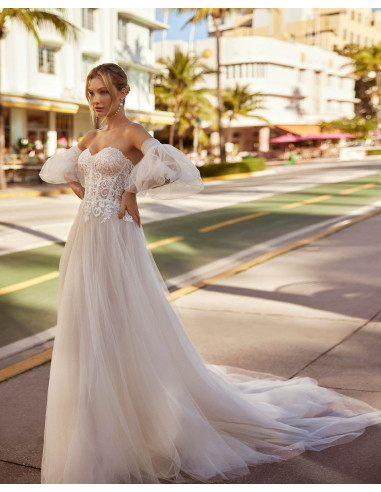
(176, 22)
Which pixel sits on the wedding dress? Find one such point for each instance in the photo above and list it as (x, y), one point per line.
(130, 400)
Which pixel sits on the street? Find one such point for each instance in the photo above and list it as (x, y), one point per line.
(313, 312)
(229, 223)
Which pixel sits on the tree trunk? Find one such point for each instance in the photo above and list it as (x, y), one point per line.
(3, 181)
(378, 109)
(219, 96)
(173, 127)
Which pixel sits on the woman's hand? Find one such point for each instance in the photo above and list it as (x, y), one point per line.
(78, 189)
(128, 203)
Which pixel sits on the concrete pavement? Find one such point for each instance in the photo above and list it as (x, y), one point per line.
(315, 311)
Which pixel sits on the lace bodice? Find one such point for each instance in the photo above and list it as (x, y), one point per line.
(105, 176)
(163, 173)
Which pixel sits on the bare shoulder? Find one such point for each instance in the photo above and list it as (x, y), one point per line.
(137, 134)
(86, 139)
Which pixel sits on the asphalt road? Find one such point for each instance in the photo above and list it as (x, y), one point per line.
(228, 222)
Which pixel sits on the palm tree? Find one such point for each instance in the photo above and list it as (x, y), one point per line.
(216, 15)
(195, 105)
(241, 102)
(364, 61)
(183, 72)
(31, 19)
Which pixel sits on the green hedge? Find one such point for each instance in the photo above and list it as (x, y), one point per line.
(373, 152)
(246, 166)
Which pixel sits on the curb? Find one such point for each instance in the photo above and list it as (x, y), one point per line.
(45, 356)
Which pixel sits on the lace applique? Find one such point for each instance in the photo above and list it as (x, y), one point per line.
(105, 174)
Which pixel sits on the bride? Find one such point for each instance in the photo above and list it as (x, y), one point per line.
(129, 398)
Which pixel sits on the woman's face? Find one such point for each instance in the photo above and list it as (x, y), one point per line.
(99, 96)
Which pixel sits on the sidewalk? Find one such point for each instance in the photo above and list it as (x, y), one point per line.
(315, 311)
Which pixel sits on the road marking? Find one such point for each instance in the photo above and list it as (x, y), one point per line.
(45, 356)
(232, 221)
(305, 202)
(25, 365)
(163, 242)
(28, 283)
(357, 188)
(15, 194)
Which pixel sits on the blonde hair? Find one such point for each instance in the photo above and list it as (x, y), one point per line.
(113, 76)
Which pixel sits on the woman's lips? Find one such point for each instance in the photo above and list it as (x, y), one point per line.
(98, 109)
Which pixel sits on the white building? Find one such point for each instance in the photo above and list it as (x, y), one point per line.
(301, 84)
(43, 88)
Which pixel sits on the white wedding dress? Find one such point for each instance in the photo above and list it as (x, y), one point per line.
(130, 400)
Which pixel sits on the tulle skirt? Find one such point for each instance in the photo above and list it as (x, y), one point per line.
(131, 401)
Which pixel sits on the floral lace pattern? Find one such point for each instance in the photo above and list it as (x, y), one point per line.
(105, 175)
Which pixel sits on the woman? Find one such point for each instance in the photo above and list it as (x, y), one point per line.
(129, 399)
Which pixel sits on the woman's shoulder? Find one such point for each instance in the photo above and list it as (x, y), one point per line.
(137, 134)
(87, 139)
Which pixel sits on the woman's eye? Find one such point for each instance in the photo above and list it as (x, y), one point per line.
(104, 92)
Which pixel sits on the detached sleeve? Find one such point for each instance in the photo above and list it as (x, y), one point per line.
(163, 173)
(63, 167)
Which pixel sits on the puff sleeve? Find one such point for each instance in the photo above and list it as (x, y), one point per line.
(63, 167)
(163, 173)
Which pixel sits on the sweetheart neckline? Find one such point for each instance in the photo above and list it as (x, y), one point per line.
(109, 147)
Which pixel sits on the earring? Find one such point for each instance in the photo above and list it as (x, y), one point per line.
(97, 122)
(121, 102)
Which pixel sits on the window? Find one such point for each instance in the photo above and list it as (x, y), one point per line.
(7, 128)
(302, 76)
(88, 19)
(122, 29)
(64, 126)
(358, 39)
(345, 35)
(353, 15)
(352, 37)
(329, 80)
(359, 18)
(88, 63)
(46, 60)
(261, 70)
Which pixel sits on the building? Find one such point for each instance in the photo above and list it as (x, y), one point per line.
(301, 85)
(43, 88)
(328, 28)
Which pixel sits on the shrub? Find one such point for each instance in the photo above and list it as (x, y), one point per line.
(246, 166)
(373, 152)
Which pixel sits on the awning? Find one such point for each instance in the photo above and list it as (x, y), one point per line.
(151, 23)
(154, 117)
(300, 129)
(41, 104)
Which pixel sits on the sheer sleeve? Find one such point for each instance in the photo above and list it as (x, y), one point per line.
(63, 167)
(164, 173)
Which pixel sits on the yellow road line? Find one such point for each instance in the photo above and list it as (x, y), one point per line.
(305, 202)
(232, 221)
(15, 194)
(228, 176)
(25, 365)
(45, 356)
(28, 283)
(163, 242)
(357, 188)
